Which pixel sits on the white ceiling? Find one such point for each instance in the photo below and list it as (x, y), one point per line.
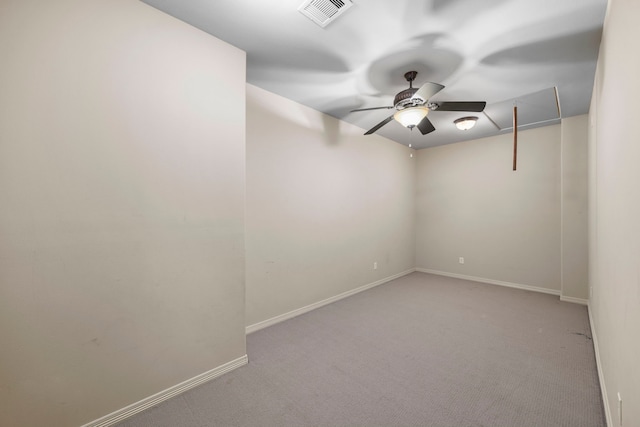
(504, 52)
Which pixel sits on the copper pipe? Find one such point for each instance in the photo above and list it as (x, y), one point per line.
(515, 136)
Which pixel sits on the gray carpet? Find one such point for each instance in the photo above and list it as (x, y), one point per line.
(422, 350)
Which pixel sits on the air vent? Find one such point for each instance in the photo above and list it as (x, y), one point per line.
(322, 12)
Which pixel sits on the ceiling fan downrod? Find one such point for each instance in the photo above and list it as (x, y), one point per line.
(410, 76)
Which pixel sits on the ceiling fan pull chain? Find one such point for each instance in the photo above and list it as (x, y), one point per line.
(410, 138)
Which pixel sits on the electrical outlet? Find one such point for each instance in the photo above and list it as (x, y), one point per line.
(375, 265)
(461, 260)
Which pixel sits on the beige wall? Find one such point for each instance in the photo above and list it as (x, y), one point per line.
(575, 252)
(505, 224)
(122, 207)
(324, 202)
(614, 210)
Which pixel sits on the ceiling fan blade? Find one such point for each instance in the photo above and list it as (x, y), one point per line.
(425, 126)
(427, 90)
(379, 125)
(373, 108)
(461, 106)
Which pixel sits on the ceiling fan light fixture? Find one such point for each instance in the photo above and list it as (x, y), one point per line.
(466, 123)
(410, 117)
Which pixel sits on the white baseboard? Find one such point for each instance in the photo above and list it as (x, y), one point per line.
(603, 387)
(581, 301)
(491, 281)
(286, 316)
(121, 414)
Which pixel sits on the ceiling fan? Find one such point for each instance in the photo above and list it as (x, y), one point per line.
(413, 106)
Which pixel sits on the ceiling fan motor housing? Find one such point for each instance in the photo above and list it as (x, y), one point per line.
(405, 99)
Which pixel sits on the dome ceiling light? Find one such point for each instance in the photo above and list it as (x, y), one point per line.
(466, 123)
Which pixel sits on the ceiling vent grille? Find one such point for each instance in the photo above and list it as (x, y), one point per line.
(323, 12)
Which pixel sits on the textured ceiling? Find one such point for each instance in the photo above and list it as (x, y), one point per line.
(530, 53)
